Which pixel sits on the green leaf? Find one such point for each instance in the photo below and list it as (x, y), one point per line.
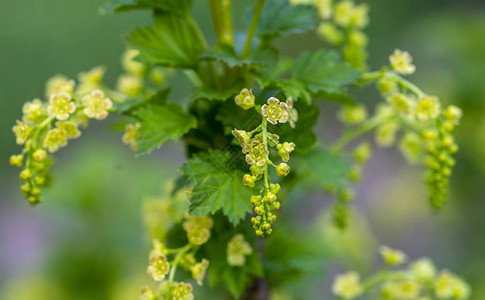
(172, 42)
(324, 74)
(290, 255)
(227, 55)
(322, 166)
(213, 94)
(217, 185)
(302, 135)
(178, 7)
(279, 17)
(160, 121)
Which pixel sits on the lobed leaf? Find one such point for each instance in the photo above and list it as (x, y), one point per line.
(178, 7)
(227, 55)
(279, 17)
(160, 121)
(217, 185)
(172, 42)
(323, 166)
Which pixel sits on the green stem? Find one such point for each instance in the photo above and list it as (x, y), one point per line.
(175, 263)
(222, 19)
(406, 84)
(252, 28)
(350, 135)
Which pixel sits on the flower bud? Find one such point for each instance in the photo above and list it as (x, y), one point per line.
(269, 198)
(39, 155)
(284, 150)
(275, 206)
(255, 221)
(392, 257)
(453, 114)
(269, 231)
(17, 160)
(275, 188)
(282, 169)
(248, 180)
(266, 226)
(245, 99)
(256, 200)
(259, 210)
(271, 216)
(259, 233)
(25, 175)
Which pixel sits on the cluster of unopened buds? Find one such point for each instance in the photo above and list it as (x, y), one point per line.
(47, 126)
(341, 25)
(160, 266)
(256, 145)
(420, 280)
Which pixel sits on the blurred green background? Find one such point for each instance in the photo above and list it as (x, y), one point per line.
(86, 240)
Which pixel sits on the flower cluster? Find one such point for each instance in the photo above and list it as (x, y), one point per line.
(426, 127)
(47, 126)
(137, 78)
(341, 25)
(237, 250)
(256, 146)
(163, 262)
(420, 280)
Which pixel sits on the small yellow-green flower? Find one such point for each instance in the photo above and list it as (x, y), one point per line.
(282, 169)
(387, 86)
(359, 16)
(17, 160)
(34, 112)
(353, 114)
(93, 76)
(386, 134)
(392, 257)
(343, 13)
(130, 85)
(198, 270)
(453, 114)
(243, 138)
(157, 75)
(61, 106)
(257, 154)
(423, 269)
(292, 115)
(183, 291)
(347, 285)
(237, 250)
(198, 229)
(402, 290)
(362, 153)
(401, 62)
(245, 99)
(411, 146)
(70, 128)
(275, 111)
(55, 139)
(324, 8)
(130, 65)
(400, 102)
(427, 108)
(130, 135)
(39, 155)
(284, 150)
(330, 33)
(358, 39)
(159, 267)
(21, 131)
(448, 286)
(147, 294)
(58, 85)
(96, 105)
